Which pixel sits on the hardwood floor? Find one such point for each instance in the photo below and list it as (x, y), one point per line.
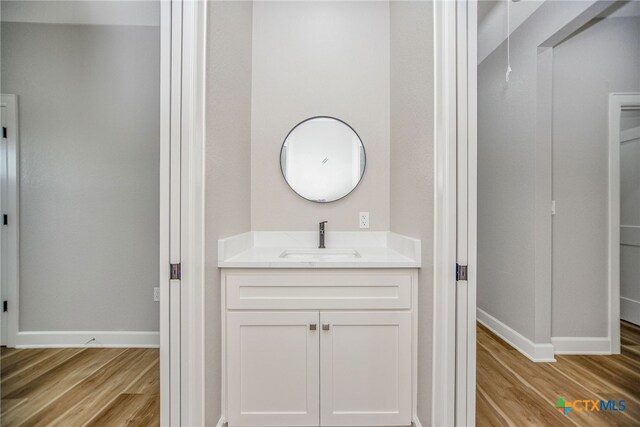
(80, 387)
(514, 391)
(120, 387)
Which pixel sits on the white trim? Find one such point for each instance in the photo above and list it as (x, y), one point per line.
(444, 283)
(12, 209)
(221, 422)
(416, 422)
(472, 206)
(617, 101)
(73, 339)
(581, 345)
(533, 351)
(192, 286)
(630, 310)
(466, 210)
(174, 298)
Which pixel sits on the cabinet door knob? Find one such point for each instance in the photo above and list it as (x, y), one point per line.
(313, 327)
(325, 326)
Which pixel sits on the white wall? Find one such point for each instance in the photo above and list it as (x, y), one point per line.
(603, 58)
(412, 172)
(227, 163)
(494, 25)
(88, 101)
(310, 59)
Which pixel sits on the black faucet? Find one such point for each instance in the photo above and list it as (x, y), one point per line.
(322, 223)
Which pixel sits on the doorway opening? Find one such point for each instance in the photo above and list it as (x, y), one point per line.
(551, 271)
(624, 208)
(81, 208)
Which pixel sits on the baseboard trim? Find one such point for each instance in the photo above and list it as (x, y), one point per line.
(57, 339)
(581, 345)
(533, 351)
(630, 310)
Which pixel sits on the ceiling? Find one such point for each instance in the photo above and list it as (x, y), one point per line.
(82, 12)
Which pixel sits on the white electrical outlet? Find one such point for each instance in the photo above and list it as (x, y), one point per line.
(156, 294)
(364, 219)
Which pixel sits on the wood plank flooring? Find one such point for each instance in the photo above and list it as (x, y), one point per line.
(120, 387)
(514, 391)
(80, 387)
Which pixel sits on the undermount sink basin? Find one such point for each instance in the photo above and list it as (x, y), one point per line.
(320, 254)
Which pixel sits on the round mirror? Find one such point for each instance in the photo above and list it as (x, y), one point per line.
(322, 159)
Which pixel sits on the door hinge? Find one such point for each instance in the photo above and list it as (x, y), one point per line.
(176, 271)
(4, 132)
(5, 219)
(461, 272)
(5, 306)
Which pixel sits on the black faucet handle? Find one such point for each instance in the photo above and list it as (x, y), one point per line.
(323, 222)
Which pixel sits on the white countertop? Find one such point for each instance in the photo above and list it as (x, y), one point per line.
(264, 249)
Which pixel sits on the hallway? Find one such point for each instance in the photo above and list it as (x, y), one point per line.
(512, 390)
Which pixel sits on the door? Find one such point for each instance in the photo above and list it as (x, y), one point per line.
(365, 366)
(9, 202)
(3, 239)
(273, 368)
(630, 217)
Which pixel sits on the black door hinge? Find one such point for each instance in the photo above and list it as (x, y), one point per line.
(4, 132)
(5, 306)
(461, 272)
(175, 271)
(5, 219)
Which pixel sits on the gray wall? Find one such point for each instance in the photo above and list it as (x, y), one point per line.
(603, 58)
(412, 161)
(227, 163)
(89, 144)
(507, 118)
(319, 58)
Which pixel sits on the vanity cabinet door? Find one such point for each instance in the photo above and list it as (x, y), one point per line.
(273, 368)
(365, 365)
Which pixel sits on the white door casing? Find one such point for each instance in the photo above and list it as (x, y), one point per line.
(454, 357)
(183, 36)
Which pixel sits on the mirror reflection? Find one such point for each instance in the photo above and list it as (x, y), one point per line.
(322, 159)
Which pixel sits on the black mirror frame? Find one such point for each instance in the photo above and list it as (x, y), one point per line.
(364, 151)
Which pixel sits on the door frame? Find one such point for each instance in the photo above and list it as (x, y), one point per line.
(183, 297)
(617, 102)
(11, 197)
(181, 108)
(183, 37)
(454, 39)
(455, 183)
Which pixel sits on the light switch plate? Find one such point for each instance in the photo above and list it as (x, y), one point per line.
(364, 219)
(156, 294)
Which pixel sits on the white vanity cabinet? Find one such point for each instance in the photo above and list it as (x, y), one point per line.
(319, 347)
